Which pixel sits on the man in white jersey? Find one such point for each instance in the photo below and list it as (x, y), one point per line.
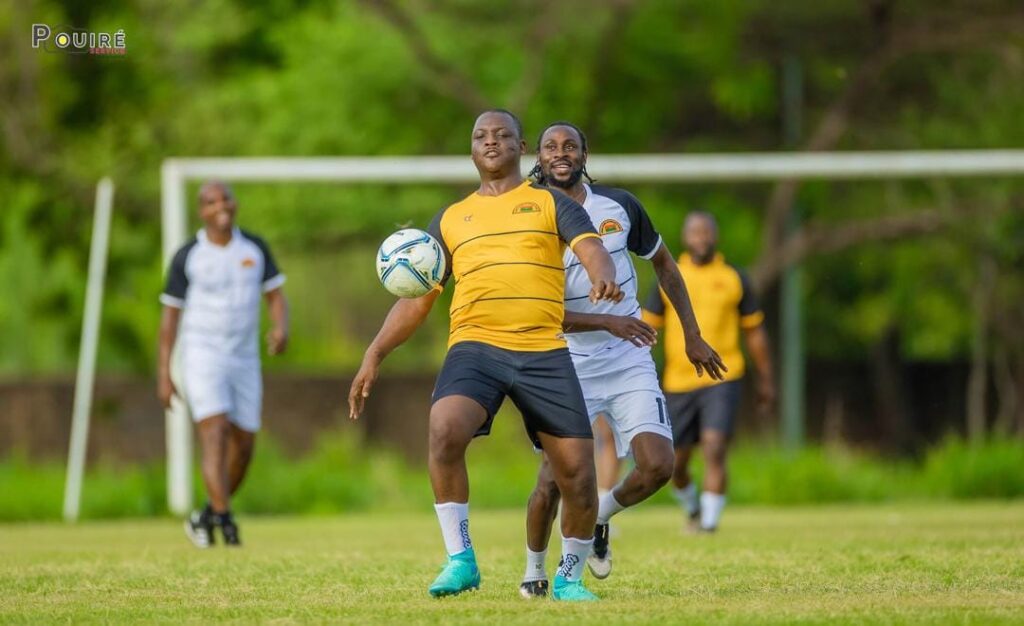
(610, 349)
(214, 287)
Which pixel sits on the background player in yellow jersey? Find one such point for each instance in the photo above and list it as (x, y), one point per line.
(701, 409)
(505, 244)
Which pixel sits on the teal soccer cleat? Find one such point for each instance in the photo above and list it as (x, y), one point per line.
(571, 591)
(458, 575)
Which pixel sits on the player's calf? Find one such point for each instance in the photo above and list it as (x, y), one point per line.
(654, 461)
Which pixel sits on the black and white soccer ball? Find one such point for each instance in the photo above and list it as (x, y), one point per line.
(410, 263)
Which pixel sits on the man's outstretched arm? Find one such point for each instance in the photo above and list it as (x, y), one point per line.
(401, 322)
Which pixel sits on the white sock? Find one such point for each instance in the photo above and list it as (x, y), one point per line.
(535, 569)
(687, 497)
(607, 506)
(574, 553)
(454, 519)
(711, 505)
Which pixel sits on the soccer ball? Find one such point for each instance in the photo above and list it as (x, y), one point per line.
(410, 263)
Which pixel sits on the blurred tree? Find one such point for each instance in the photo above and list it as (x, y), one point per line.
(887, 264)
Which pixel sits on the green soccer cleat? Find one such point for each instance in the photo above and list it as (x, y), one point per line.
(571, 591)
(458, 575)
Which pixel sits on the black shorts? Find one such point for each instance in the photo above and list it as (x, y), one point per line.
(709, 408)
(542, 385)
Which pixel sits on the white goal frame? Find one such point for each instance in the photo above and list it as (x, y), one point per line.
(176, 173)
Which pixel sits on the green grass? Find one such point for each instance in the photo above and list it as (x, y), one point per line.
(864, 564)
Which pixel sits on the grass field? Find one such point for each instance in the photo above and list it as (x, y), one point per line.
(947, 564)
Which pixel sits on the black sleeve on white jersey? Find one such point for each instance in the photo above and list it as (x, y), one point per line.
(643, 239)
(435, 231)
(655, 303)
(177, 279)
(749, 304)
(571, 219)
(272, 276)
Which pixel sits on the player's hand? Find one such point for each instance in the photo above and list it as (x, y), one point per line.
(361, 385)
(165, 389)
(766, 396)
(704, 358)
(277, 340)
(605, 290)
(637, 332)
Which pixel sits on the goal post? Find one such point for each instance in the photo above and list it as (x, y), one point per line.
(176, 173)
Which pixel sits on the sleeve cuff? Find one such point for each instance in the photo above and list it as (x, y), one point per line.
(273, 283)
(654, 250)
(169, 300)
(752, 321)
(580, 238)
(653, 319)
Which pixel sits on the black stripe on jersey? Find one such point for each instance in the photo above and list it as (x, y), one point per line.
(507, 232)
(577, 262)
(520, 330)
(625, 282)
(504, 298)
(486, 265)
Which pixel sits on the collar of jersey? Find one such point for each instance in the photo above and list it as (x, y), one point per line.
(685, 258)
(236, 233)
(526, 181)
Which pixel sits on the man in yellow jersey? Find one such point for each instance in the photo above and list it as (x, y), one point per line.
(504, 244)
(703, 409)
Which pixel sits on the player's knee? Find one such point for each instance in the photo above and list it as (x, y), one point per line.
(660, 471)
(716, 455)
(444, 445)
(655, 471)
(578, 471)
(579, 485)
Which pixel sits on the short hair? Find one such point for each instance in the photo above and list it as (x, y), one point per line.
(515, 119)
(692, 215)
(210, 184)
(536, 172)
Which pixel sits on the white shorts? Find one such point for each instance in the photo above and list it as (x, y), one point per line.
(632, 401)
(215, 385)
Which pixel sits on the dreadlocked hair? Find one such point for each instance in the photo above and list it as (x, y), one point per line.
(536, 172)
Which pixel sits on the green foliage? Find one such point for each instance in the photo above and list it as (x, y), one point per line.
(342, 475)
(339, 78)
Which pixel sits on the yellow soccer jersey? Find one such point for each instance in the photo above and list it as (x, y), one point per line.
(505, 253)
(723, 302)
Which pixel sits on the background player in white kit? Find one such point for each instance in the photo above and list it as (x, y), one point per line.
(214, 287)
(610, 348)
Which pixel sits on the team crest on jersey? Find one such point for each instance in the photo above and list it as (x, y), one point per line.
(526, 207)
(250, 262)
(609, 227)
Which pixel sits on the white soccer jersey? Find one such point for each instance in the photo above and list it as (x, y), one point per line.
(624, 227)
(219, 288)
